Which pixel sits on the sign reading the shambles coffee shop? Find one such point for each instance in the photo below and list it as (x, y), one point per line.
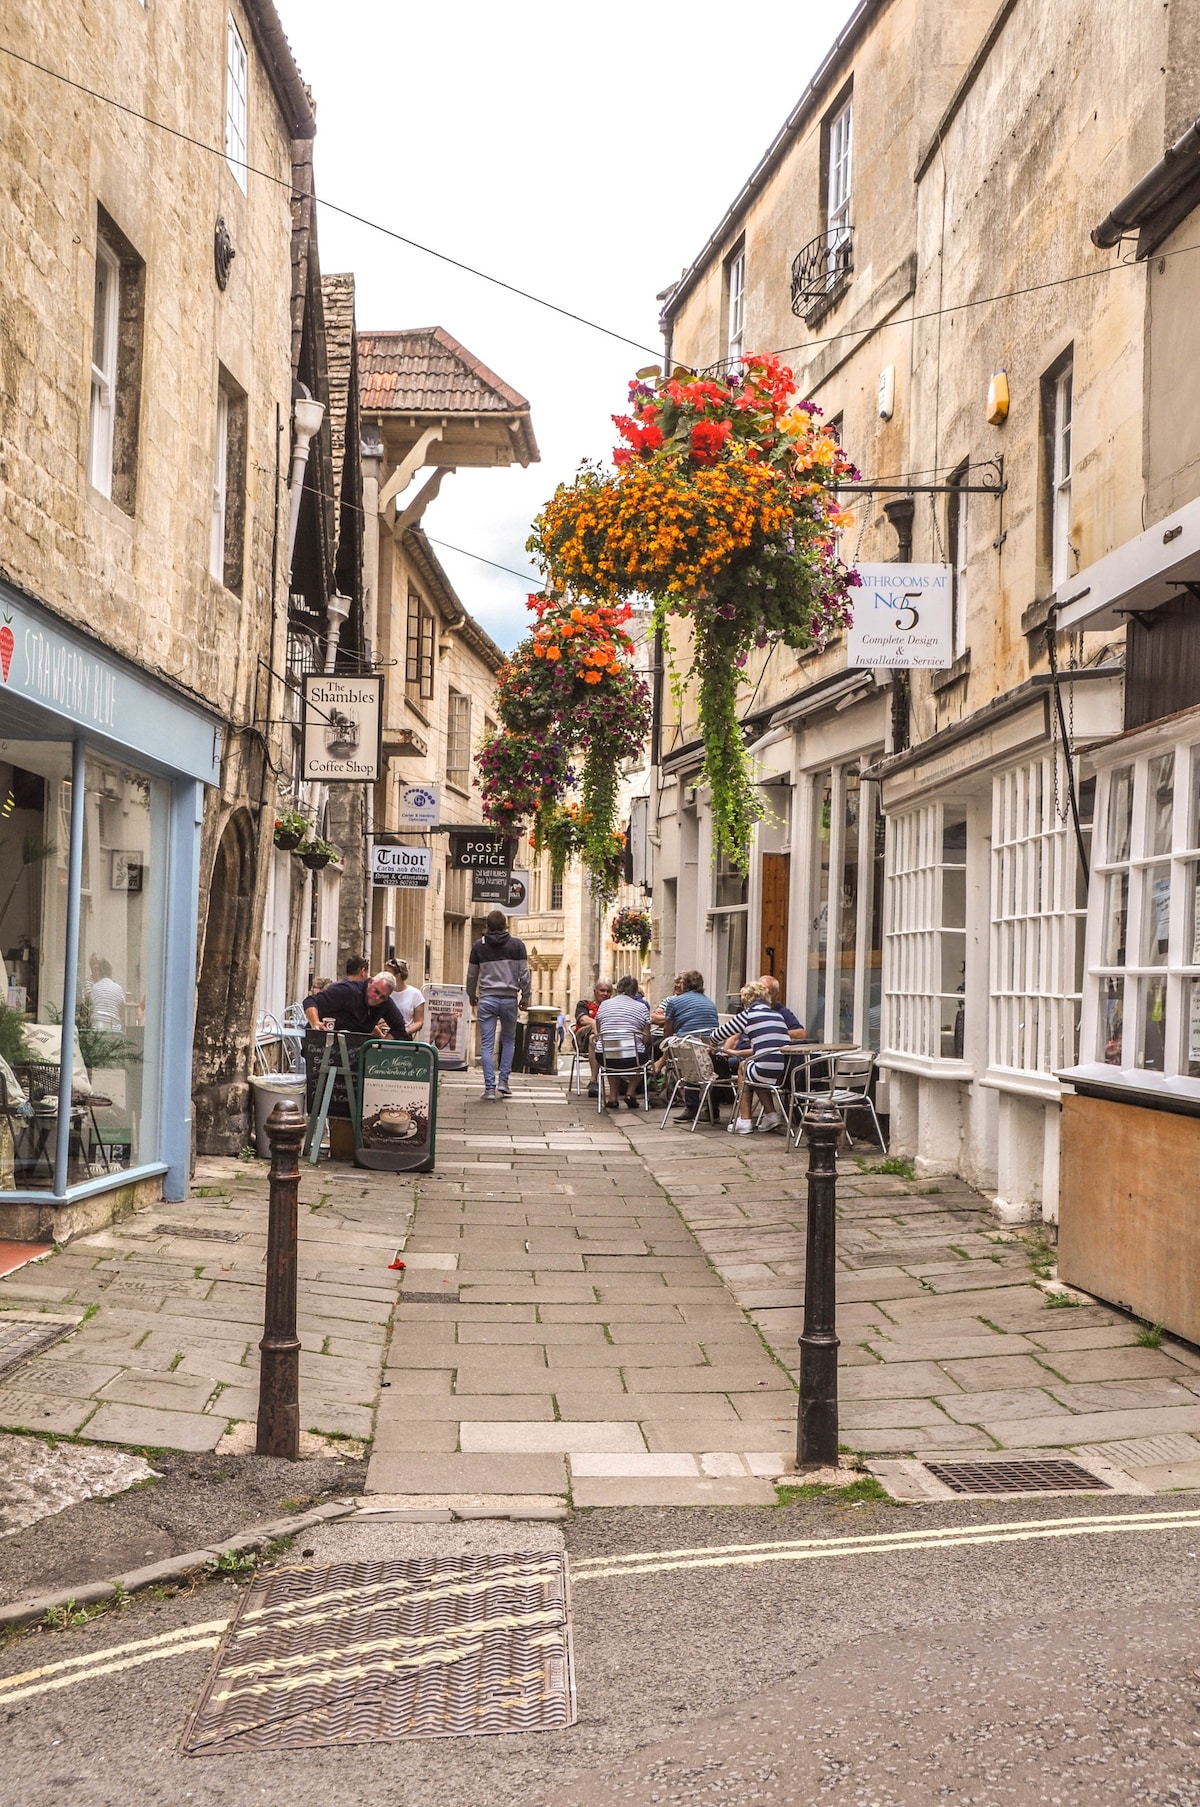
(480, 852)
(343, 723)
(397, 1106)
(401, 868)
(903, 618)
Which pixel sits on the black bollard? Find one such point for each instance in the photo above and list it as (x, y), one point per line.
(279, 1371)
(817, 1427)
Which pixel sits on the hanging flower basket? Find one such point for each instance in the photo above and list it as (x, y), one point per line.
(291, 830)
(569, 693)
(317, 854)
(632, 928)
(722, 507)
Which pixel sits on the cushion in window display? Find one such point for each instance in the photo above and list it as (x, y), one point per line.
(43, 1041)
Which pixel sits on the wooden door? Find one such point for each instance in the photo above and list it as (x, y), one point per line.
(773, 943)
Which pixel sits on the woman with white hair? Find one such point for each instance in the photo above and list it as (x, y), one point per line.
(763, 1064)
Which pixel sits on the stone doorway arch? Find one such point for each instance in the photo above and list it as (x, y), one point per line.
(225, 993)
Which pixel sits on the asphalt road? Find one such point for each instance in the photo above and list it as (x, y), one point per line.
(908, 1655)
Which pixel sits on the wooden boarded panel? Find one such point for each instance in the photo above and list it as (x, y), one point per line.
(1129, 1227)
(774, 941)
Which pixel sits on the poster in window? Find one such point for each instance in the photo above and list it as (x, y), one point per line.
(126, 869)
(1194, 1021)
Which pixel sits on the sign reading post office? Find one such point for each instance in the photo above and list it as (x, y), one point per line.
(343, 723)
(903, 618)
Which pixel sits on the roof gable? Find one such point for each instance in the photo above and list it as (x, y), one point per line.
(424, 371)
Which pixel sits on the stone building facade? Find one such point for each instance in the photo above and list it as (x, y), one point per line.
(146, 267)
(917, 244)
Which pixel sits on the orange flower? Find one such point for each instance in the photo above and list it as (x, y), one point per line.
(591, 677)
(553, 652)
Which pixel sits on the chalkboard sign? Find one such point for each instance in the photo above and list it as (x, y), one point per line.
(540, 1053)
(397, 1117)
(314, 1048)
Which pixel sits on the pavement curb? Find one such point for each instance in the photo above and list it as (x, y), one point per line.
(173, 1568)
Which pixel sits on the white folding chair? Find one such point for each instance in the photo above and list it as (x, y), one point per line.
(696, 1074)
(620, 1055)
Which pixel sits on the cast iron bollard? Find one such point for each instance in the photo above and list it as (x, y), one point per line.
(817, 1427)
(279, 1372)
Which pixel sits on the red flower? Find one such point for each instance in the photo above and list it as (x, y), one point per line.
(708, 437)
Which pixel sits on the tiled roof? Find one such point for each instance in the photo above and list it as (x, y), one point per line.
(424, 371)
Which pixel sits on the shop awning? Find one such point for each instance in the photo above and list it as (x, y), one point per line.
(1136, 578)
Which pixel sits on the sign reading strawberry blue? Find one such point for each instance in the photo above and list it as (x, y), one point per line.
(396, 1113)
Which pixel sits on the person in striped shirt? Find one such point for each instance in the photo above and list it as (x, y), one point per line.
(768, 1034)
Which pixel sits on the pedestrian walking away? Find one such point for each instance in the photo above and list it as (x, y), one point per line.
(498, 984)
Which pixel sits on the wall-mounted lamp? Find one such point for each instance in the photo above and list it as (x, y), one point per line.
(997, 402)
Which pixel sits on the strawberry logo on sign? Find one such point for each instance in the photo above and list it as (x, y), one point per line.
(7, 643)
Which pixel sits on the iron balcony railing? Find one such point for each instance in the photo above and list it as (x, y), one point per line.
(821, 268)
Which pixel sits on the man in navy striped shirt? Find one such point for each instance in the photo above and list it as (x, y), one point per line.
(768, 1034)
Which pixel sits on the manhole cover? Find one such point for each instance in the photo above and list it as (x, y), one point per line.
(1016, 1477)
(429, 1647)
(428, 1298)
(21, 1338)
(197, 1233)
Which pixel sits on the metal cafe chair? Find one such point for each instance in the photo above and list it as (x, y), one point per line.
(850, 1087)
(695, 1072)
(42, 1077)
(621, 1057)
(579, 1063)
(810, 1081)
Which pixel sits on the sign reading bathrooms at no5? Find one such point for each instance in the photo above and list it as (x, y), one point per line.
(903, 617)
(343, 722)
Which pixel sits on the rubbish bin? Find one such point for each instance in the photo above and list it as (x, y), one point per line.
(269, 1090)
(541, 1035)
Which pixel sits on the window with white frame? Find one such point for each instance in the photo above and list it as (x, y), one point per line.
(104, 369)
(237, 89)
(729, 918)
(1039, 907)
(1062, 402)
(1143, 1005)
(458, 741)
(837, 205)
(736, 280)
(216, 534)
(957, 535)
(926, 933)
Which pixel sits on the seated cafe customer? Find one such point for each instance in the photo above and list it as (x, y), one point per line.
(357, 1005)
(763, 1066)
(689, 1012)
(774, 993)
(623, 1024)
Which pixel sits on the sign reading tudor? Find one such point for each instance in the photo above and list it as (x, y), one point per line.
(401, 868)
(479, 852)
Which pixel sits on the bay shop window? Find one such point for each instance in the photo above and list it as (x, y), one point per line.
(1141, 1023)
(845, 939)
(927, 932)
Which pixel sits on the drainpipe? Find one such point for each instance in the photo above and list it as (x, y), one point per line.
(372, 463)
(307, 416)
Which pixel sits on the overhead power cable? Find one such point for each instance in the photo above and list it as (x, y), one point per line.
(554, 307)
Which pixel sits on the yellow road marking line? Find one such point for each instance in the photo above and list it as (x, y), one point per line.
(129, 1662)
(98, 1656)
(937, 1533)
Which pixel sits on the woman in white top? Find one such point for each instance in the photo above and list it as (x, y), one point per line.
(409, 1001)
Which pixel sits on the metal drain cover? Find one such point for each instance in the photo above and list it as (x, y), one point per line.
(23, 1337)
(1051, 1476)
(428, 1647)
(197, 1233)
(429, 1298)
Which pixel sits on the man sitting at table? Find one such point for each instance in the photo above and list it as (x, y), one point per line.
(774, 993)
(357, 1005)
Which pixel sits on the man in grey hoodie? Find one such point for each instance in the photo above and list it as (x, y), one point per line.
(497, 983)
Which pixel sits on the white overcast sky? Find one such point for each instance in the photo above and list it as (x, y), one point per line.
(583, 153)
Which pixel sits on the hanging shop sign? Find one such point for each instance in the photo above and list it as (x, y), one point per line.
(342, 728)
(401, 868)
(396, 1118)
(448, 1023)
(420, 806)
(481, 852)
(507, 891)
(903, 618)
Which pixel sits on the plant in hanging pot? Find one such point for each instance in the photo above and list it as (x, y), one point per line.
(315, 854)
(291, 830)
(723, 508)
(632, 928)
